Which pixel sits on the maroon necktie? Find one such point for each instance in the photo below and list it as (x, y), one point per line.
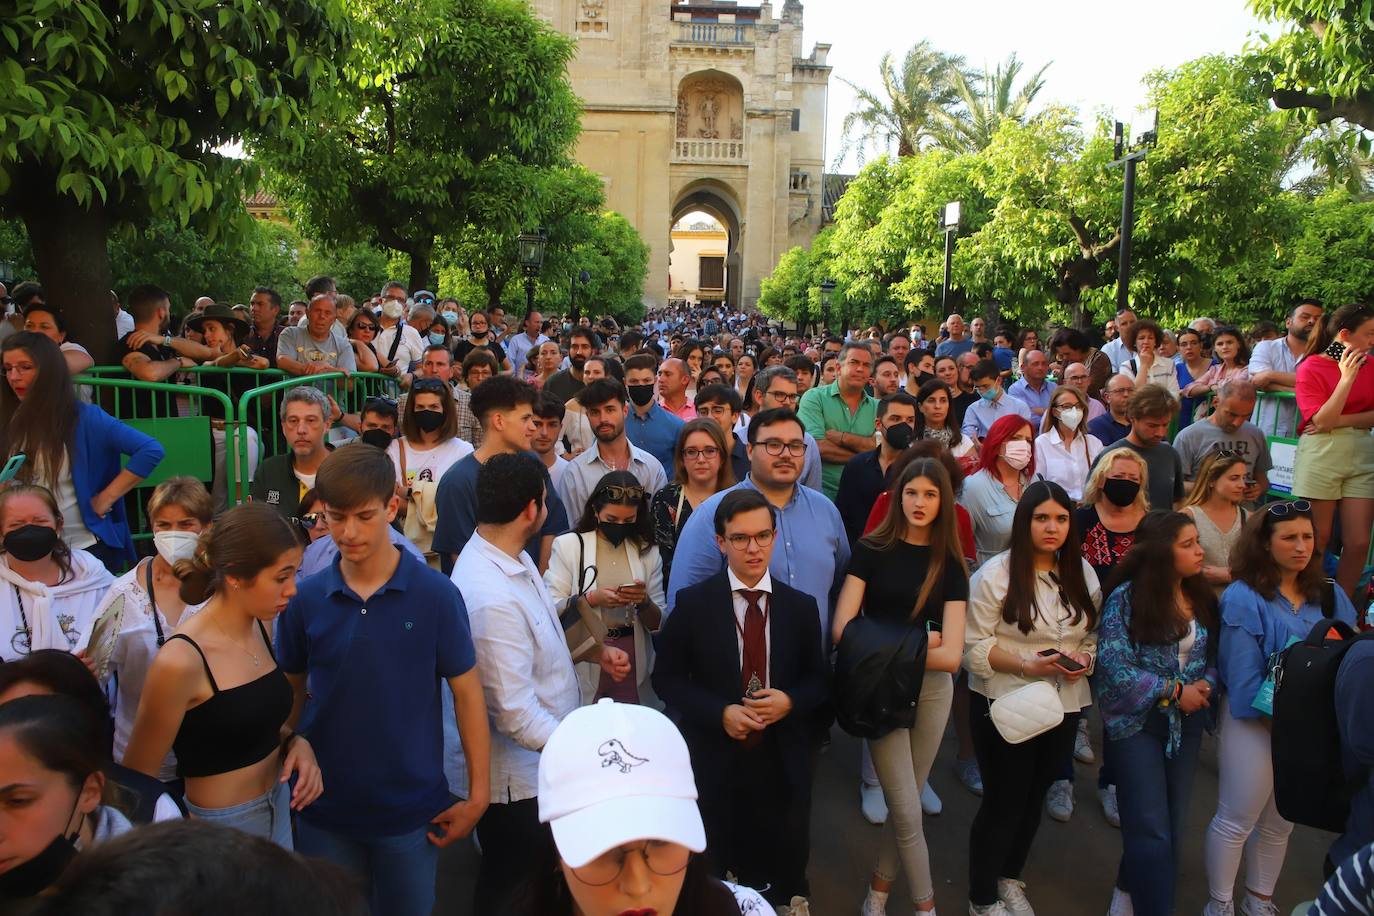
(754, 658)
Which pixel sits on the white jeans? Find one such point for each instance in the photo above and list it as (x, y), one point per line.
(1247, 820)
(903, 759)
(220, 491)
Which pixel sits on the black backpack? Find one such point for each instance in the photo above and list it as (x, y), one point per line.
(1310, 784)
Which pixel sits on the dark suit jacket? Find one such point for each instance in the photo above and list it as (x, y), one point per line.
(697, 675)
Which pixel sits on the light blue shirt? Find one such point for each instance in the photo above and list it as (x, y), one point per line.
(1036, 400)
(321, 553)
(981, 414)
(656, 432)
(810, 552)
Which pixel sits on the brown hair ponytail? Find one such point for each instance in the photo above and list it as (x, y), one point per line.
(242, 543)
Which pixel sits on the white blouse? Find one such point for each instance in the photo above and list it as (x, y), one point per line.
(1067, 466)
(1162, 372)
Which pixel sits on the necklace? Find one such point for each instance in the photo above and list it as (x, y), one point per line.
(240, 645)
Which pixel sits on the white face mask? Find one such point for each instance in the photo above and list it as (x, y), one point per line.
(393, 309)
(1071, 416)
(176, 545)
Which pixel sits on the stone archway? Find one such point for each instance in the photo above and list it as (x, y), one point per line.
(719, 201)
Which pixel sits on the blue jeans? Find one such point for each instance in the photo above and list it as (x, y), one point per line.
(396, 872)
(1152, 792)
(267, 816)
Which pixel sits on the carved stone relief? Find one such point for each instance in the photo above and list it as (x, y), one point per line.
(710, 110)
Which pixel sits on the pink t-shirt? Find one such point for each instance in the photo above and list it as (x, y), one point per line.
(1317, 378)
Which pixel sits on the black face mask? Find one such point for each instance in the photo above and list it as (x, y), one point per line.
(899, 435)
(31, 542)
(615, 532)
(1120, 492)
(31, 878)
(479, 334)
(429, 420)
(642, 395)
(378, 438)
(924, 377)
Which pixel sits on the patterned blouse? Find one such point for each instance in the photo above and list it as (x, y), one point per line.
(1103, 549)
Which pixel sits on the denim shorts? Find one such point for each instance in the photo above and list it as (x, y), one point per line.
(267, 816)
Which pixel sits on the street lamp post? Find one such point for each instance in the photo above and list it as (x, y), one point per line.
(949, 221)
(575, 306)
(827, 290)
(530, 252)
(1129, 158)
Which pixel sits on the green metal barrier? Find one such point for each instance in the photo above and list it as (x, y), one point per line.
(262, 405)
(1276, 414)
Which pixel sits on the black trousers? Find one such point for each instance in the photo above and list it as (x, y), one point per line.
(757, 827)
(508, 833)
(1015, 780)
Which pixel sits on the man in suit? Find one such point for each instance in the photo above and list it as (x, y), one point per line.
(748, 716)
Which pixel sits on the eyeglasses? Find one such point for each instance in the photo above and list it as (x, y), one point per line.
(1285, 509)
(1117, 390)
(742, 541)
(776, 447)
(432, 385)
(782, 398)
(310, 520)
(617, 493)
(692, 454)
(364, 326)
(662, 858)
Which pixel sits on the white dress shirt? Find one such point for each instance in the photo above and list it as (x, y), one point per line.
(742, 607)
(522, 658)
(1066, 466)
(1116, 351)
(582, 474)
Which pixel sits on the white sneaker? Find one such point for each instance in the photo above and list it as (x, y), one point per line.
(1082, 747)
(873, 803)
(1059, 800)
(930, 802)
(1257, 906)
(875, 904)
(1121, 904)
(1012, 893)
(1109, 807)
(995, 909)
(1219, 908)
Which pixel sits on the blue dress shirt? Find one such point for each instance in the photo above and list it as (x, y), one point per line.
(656, 432)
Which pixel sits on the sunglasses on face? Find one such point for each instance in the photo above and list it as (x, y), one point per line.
(363, 326)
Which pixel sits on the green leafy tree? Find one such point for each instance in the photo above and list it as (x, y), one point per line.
(358, 268)
(1323, 67)
(986, 102)
(111, 113)
(903, 115)
(618, 260)
(447, 109)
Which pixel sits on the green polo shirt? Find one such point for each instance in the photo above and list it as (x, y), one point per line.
(822, 409)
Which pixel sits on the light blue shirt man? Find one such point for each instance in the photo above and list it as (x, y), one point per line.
(982, 413)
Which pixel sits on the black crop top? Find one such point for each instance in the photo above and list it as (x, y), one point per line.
(235, 727)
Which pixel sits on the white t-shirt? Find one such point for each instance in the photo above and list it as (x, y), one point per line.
(429, 464)
(74, 530)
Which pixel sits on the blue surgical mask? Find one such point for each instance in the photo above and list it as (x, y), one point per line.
(450, 318)
(436, 338)
(991, 394)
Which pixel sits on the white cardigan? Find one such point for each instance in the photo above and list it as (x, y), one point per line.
(561, 579)
(986, 628)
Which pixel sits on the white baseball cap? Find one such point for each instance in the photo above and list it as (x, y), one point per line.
(612, 773)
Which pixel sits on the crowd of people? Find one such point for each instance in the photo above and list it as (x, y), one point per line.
(597, 594)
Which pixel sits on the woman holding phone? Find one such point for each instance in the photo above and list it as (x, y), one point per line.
(1032, 617)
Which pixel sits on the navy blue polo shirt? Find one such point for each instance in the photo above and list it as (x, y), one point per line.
(455, 503)
(374, 671)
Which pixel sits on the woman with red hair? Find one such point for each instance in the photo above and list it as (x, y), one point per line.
(1006, 462)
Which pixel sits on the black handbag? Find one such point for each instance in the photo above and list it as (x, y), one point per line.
(879, 668)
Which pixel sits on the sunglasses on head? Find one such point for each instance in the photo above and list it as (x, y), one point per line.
(1292, 507)
(1227, 453)
(379, 401)
(617, 493)
(428, 384)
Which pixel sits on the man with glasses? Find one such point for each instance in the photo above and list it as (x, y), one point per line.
(812, 553)
(604, 403)
(779, 387)
(396, 342)
(1114, 425)
(993, 403)
(747, 705)
(841, 415)
(1229, 429)
(722, 403)
(1076, 376)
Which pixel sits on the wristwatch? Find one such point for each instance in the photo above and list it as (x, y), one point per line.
(167, 339)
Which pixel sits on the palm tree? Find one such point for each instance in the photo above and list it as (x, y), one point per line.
(985, 102)
(1325, 159)
(904, 113)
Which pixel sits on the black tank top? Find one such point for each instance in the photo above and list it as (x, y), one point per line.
(235, 727)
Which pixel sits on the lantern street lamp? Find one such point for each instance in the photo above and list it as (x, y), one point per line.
(949, 221)
(530, 252)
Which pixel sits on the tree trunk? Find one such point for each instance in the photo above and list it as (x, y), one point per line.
(421, 269)
(70, 251)
(495, 284)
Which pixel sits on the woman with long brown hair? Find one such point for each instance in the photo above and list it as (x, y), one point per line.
(1214, 504)
(1032, 618)
(910, 569)
(215, 694)
(701, 469)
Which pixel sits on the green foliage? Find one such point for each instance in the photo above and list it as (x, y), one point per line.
(359, 269)
(447, 110)
(903, 116)
(1323, 67)
(986, 102)
(618, 261)
(124, 103)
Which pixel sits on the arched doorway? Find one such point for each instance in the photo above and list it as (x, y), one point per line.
(718, 201)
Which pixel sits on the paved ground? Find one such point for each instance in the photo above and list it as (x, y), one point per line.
(1071, 869)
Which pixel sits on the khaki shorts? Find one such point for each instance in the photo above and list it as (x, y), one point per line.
(1334, 465)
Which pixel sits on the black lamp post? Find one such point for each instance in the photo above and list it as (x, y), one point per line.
(827, 290)
(530, 252)
(582, 278)
(1129, 158)
(949, 221)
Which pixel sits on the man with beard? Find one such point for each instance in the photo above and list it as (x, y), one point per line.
(605, 404)
(564, 384)
(1274, 367)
